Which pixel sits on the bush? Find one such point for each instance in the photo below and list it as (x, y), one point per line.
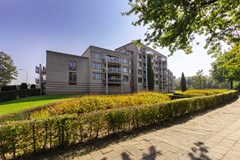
(11, 95)
(9, 88)
(80, 105)
(200, 92)
(23, 86)
(34, 136)
(33, 86)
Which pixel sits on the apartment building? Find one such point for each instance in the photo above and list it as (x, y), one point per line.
(99, 70)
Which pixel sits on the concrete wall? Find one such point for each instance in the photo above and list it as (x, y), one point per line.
(57, 73)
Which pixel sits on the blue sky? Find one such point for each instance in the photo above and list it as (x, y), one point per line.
(30, 27)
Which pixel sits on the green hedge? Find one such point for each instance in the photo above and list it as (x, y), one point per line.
(24, 138)
(15, 94)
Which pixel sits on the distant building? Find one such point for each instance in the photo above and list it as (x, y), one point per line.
(100, 70)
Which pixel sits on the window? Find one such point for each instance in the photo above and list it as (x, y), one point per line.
(125, 70)
(72, 65)
(156, 82)
(97, 65)
(72, 77)
(97, 76)
(139, 80)
(140, 72)
(156, 75)
(139, 64)
(97, 55)
(125, 78)
(125, 60)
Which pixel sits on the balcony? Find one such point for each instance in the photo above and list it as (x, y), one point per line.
(113, 81)
(114, 60)
(113, 70)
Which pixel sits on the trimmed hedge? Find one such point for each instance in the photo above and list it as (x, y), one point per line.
(8, 88)
(24, 138)
(11, 95)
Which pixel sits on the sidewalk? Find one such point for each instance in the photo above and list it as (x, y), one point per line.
(214, 135)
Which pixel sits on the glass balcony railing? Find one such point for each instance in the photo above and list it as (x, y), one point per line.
(113, 70)
(113, 59)
(113, 80)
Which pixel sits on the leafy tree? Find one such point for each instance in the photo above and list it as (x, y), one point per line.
(183, 83)
(8, 71)
(33, 86)
(150, 73)
(199, 81)
(174, 23)
(24, 86)
(227, 66)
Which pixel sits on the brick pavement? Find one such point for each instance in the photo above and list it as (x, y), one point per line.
(214, 135)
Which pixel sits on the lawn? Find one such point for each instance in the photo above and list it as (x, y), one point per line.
(28, 102)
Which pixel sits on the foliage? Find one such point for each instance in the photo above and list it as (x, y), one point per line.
(24, 86)
(8, 71)
(33, 86)
(15, 94)
(80, 105)
(227, 66)
(201, 92)
(183, 83)
(175, 23)
(150, 74)
(9, 88)
(27, 138)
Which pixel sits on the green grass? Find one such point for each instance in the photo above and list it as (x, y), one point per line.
(27, 103)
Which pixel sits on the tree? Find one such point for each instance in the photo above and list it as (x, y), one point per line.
(23, 86)
(174, 23)
(199, 80)
(150, 74)
(227, 66)
(183, 83)
(8, 71)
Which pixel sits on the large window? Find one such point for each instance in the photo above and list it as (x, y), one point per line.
(125, 78)
(97, 65)
(140, 72)
(139, 80)
(72, 77)
(125, 60)
(97, 76)
(72, 65)
(125, 70)
(97, 55)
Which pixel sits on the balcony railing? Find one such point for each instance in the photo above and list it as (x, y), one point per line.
(113, 70)
(113, 59)
(113, 80)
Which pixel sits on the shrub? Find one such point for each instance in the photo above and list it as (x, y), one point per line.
(33, 86)
(9, 88)
(200, 92)
(23, 86)
(80, 105)
(15, 94)
(34, 136)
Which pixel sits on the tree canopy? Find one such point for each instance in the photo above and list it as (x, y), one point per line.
(227, 66)
(8, 71)
(175, 23)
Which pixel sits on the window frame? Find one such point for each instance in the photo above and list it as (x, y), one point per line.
(97, 53)
(71, 67)
(96, 73)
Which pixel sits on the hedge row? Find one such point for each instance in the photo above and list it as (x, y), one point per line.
(15, 94)
(33, 137)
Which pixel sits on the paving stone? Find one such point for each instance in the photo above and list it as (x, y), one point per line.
(106, 150)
